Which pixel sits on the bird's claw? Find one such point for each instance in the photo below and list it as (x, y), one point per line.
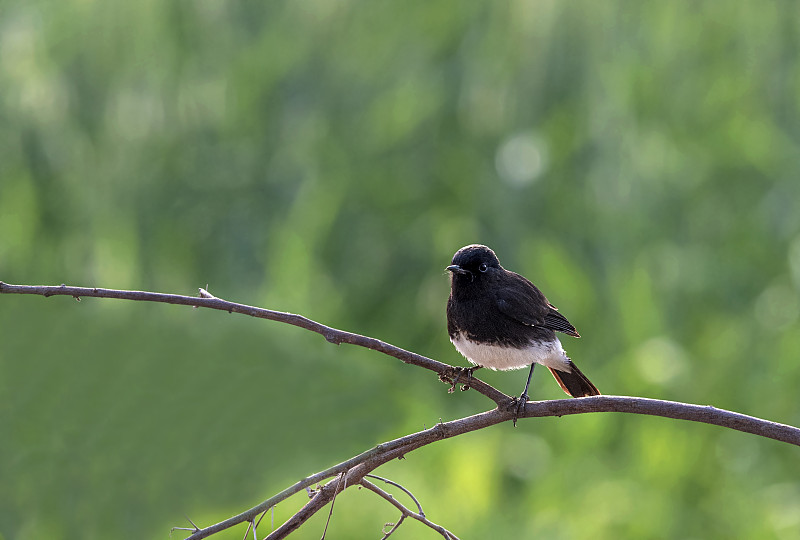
(520, 406)
(459, 371)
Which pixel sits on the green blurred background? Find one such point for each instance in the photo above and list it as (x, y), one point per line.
(637, 160)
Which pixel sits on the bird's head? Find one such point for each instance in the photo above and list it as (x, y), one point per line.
(471, 263)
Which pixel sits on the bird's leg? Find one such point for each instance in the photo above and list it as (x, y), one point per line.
(523, 398)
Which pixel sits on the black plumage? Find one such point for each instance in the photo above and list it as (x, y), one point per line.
(500, 320)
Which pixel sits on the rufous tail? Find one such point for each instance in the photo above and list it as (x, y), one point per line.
(574, 383)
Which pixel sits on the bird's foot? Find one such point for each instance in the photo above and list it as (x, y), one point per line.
(459, 372)
(520, 406)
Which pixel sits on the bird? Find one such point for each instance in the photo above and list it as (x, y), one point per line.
(499, 320)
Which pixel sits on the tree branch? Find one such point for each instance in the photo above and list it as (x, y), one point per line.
(364, 463)
(446, 372)
(419, 516)
(668, 409)
(355, 469)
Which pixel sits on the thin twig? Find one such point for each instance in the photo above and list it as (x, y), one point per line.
(406, 512)
(333, 501)
(194, 528)
(395, 526)
(264, 513)
(321, 497)
(395, 484)
(250, 525)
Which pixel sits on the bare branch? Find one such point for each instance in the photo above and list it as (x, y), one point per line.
(364, 463)
(339, 487)
(264, 513)
(322, 497)
(406, 512)
(394, 527)
(696, 413)
(668, 409)
(395, 484)
(446, 372)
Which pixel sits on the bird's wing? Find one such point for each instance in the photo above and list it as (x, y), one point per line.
(555, 320)
(526, 304)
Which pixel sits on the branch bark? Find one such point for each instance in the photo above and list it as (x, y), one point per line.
(405, 512)
(355, 469)
(207, 300)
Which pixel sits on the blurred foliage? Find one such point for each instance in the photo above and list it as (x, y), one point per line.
(637, 160)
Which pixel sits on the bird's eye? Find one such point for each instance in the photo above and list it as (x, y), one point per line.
(483, 267)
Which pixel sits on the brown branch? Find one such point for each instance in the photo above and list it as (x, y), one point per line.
(667, 409)
(395, 526)
(390, 448)
(322, 497)
(356, 468)
(419, 516)
(446, 372)
(366, 462)
(400, 487)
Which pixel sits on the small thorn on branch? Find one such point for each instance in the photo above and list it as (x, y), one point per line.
(194, 528)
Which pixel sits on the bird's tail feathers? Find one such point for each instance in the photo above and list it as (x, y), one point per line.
(575, 382)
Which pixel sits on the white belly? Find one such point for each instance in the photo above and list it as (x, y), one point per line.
(550, 354)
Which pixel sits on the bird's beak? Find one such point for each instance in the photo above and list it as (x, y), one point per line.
(454, 268)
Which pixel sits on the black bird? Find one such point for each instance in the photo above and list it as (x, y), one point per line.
(500, 320)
